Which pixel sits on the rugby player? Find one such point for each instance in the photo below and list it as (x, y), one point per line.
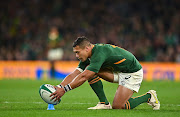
(113, 64)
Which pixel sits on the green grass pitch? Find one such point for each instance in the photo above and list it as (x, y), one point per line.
(20, 98)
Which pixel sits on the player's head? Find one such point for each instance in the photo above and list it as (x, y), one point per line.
(82, 48)
(82, 42)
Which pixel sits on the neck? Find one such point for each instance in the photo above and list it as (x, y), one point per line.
(90, 53)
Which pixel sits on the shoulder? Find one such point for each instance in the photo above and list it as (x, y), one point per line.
(101, 47)
(100, 51)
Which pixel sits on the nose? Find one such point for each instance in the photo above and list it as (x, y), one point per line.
(77, 56)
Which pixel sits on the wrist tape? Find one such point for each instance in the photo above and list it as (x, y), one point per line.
(60, 86)
(67, 88)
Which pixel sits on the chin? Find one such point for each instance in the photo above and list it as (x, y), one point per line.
(82, 60)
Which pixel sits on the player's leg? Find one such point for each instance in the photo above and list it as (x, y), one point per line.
(150, 97)
(97, 87)
(123, 99)
(122, 95)
(135, 101)
(129, 83)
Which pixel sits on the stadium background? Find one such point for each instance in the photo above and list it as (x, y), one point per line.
(36, 39)
(31, 29)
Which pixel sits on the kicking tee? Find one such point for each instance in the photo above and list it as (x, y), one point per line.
(110, 57)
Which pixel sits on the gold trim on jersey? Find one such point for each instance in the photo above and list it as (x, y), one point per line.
(120, 61)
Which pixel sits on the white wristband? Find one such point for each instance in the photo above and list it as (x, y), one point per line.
(60, 86)
(67, 88)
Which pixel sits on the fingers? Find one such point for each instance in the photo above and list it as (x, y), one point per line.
(55, 87)
(53, 94)
(57, 94)
(57, 98)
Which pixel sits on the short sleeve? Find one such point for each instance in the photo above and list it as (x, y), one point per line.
(83, 65)
(97, 59)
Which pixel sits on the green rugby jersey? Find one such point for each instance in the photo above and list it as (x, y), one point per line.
(106, 56)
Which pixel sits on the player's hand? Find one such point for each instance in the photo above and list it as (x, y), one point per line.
(58, 93)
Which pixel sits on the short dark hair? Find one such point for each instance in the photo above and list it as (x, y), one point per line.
(81, 42)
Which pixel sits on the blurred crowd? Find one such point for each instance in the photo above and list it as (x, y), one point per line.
(150, 29)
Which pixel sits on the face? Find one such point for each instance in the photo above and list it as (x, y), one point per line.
(81, 54)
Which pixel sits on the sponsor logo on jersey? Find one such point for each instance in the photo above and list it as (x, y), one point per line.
(127, 77)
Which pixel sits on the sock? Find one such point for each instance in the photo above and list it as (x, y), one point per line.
(135, 101)
(97, 87)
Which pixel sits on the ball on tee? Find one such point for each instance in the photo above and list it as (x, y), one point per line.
(45, 91)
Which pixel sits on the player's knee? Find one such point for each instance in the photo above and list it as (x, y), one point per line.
(118, 106)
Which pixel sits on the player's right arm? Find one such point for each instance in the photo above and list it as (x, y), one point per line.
(70, 77)
(81, 67)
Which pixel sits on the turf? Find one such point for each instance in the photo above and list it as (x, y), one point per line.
(20, 98)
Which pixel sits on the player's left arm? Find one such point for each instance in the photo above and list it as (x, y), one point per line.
(81, 78)
(78, 81)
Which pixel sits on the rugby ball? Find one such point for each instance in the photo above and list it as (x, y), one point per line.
(45, 91)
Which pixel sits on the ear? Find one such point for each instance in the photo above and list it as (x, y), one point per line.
(87, 49)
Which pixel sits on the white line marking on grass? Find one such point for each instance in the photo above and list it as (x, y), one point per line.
(166, 104)
(6, 102)
(78, 103)
(170, 104)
